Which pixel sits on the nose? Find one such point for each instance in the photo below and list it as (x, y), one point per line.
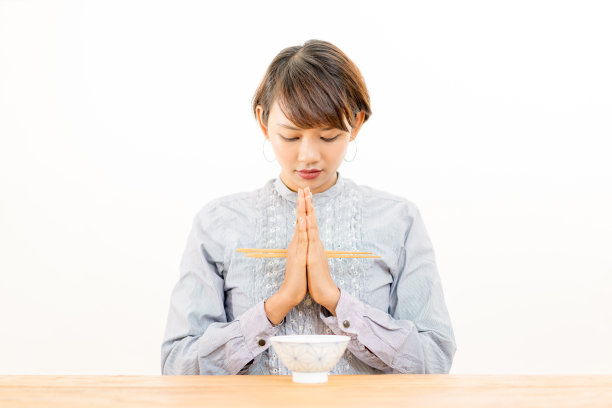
(309, 151)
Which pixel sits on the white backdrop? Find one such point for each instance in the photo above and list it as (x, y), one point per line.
(119, 120)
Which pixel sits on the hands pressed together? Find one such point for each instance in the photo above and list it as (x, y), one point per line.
(307, 269)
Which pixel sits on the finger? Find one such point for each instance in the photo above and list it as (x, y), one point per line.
(303, 237)
(312, 235)
(313, 227)
(302, 203)
(297, 218)
(303, 208)
(300, 206)
(302, 234)
(315, 224)
(308, 195)
(299, 203)
(307, 201)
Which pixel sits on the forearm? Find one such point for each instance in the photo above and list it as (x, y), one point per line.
(223, 348)
(388, 344)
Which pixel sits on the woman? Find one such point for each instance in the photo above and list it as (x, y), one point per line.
(310, 105)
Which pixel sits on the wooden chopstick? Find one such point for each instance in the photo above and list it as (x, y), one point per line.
(282, 253)
(271, 255)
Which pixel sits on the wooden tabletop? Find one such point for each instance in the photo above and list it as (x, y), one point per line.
(279, 391)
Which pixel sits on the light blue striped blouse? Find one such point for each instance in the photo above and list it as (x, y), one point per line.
(393, 306)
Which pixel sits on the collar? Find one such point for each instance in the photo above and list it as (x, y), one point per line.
(321, 197)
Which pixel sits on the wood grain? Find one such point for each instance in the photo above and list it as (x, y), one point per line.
(279, 391)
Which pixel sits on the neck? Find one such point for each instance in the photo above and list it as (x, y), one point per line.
(314, 190)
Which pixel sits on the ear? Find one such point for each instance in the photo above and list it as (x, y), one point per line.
(260, 121)
(357, 122)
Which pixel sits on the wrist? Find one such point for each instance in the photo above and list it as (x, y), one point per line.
(287, 298)
(330, 301)
(276, 308)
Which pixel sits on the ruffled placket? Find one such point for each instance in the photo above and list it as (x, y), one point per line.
(339, 219)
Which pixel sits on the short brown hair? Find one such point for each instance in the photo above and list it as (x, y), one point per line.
(315, 85)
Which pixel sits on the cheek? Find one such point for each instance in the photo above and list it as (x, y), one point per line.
(337, 151)
(285, 153)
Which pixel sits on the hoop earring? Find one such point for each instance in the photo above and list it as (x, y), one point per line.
(355, 144)
(263, 148)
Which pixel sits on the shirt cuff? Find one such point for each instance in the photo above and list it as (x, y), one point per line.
(351, 320)
(257, 329)
(349, 316)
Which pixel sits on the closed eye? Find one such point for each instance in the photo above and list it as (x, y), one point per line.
(332, 139)
(323, 138)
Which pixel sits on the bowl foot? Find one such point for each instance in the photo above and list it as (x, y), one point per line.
(310, 378)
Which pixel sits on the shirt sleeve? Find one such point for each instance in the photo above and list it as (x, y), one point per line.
(416, 336)
(198, 338)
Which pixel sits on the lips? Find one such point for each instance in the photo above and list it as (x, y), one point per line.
(309, 174)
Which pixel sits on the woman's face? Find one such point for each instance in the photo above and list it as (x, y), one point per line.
(306, 149)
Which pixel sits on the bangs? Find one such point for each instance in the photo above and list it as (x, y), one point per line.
(315, 85)
(310, 97)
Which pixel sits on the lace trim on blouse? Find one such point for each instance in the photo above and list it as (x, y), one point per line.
(339, 219)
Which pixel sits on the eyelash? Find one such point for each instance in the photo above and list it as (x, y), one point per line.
(327, 140)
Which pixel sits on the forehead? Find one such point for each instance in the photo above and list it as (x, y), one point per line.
(277, 113)
(278, 118)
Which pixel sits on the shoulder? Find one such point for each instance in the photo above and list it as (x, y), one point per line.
(383, 202)
(223, 220)
(227, 210)
(396, 221)
(387, 216)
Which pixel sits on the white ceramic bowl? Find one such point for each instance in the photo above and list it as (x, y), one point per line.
(310, 357)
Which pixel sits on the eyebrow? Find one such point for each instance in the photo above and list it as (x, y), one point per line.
(294, 128)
